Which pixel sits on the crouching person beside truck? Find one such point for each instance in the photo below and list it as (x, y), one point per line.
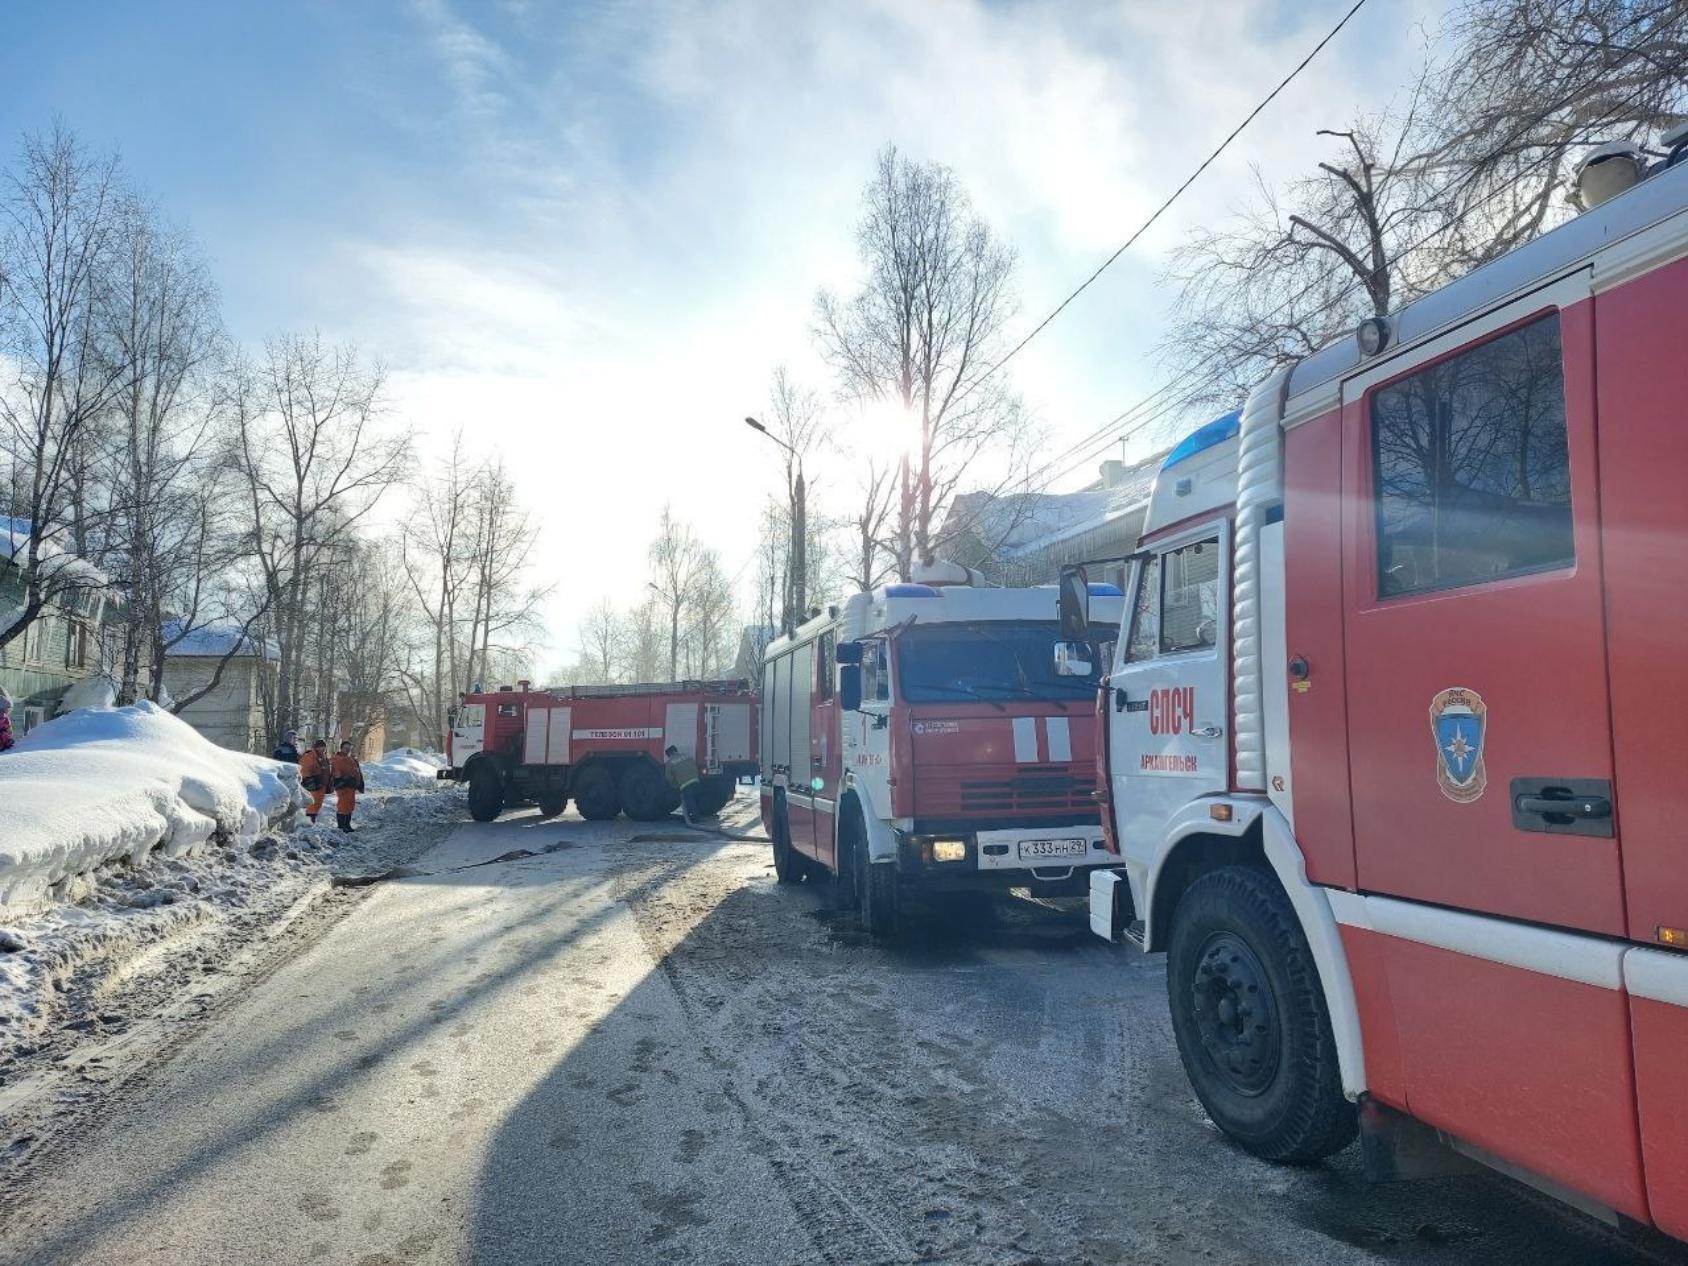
(684, 776)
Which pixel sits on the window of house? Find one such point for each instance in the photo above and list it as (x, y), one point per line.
(1189, 616)
(1472, 469)
(32, 717)
(32, 640)
(824, 656)
(76, 645)
(1145, 613)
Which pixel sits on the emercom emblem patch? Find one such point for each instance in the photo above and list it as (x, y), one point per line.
(1458, 722)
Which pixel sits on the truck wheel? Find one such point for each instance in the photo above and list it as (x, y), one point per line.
(876, 891)
(643, 793)
(552, 802)
(595, 794)
(1249, 1015)
(716, 793)
(788, 865)
(486, 792)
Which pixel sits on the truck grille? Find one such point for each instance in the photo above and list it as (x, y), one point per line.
(1030, 789)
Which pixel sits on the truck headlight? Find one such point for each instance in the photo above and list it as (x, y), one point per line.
(949, 850)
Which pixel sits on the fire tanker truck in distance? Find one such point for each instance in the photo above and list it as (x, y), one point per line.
(601, 746)
(1397, 729)
(915, 736)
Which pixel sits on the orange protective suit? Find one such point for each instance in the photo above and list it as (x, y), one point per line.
(313, 777)
(346, 777)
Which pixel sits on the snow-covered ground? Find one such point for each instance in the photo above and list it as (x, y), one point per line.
(132, 850)
(102, 785)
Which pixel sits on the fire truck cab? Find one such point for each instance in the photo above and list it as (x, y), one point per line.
(1398, 722)
(918, 737)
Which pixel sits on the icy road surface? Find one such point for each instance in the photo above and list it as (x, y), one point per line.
(627, 1044)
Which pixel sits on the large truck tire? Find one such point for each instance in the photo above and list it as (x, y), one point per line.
(878, 901)
(552, 801)
(644, 792)
(1249, 1015)
(789, 866)
(486, 791)
(595, 794)
(716, 793)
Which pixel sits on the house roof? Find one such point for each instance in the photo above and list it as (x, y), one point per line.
(51, 558)
(1024, 524)
(215, 640)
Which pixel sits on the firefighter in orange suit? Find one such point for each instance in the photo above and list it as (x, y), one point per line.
(313, 776)
(346, 777)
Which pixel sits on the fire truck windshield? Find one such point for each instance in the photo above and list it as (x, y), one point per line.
(942, 663)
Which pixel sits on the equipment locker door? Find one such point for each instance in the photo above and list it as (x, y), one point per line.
(1473, 629)
(824, 748)
(1480, 740)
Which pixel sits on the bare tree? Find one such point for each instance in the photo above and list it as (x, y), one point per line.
(870, 556)
(315, 458)
(923, 334)
(1298, 267)
(797, 422)
(171, 537)
(708, 618)
(675, 557)
(603, 642)
(504, 537)
(438, 560)
(1530, 84)
(1473, 164)
(58, 225)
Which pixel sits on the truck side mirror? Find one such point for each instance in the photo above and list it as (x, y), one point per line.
(850, 687)
(1073, 604)
(849, 653)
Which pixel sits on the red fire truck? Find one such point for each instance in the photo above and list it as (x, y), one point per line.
(601, 746)
(915, 736)
(1398, 720)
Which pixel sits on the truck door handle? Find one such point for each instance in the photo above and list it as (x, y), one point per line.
(1207, 731)
(1582, 807)
(1563, 806)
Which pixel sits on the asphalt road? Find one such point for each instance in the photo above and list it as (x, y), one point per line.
(628, 1044)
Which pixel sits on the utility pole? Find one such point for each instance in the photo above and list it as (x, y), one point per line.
(797, 589)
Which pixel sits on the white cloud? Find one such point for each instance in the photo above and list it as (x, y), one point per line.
(671, 182)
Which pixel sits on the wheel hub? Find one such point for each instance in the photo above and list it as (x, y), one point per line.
(1234, 1014)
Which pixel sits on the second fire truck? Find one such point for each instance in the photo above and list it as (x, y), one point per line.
(916, 737)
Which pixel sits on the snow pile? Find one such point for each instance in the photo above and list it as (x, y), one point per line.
(104, 784)
(90, 692)
(404, 769)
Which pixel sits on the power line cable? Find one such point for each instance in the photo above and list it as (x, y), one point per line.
(1175, 195)
(1108, 428)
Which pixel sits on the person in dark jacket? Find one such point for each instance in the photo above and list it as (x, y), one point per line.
(288, 748)
(347, 777)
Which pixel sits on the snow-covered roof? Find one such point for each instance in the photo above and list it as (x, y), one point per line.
(50, 558)
(1024, 524)
(215, 640)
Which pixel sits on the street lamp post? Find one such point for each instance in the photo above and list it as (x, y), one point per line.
(798, 587)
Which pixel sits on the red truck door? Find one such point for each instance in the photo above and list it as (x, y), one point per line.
(1480, 738)
(1643, 457)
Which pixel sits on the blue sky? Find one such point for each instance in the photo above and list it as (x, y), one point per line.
(586, 232)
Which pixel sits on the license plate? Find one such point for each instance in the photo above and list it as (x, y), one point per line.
(1053, 848)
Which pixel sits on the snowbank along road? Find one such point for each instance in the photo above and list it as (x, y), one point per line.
(570, 1042)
